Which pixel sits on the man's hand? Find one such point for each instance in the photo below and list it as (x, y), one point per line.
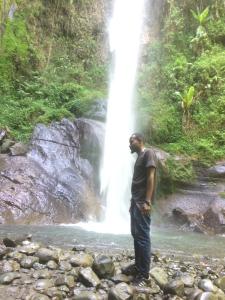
(145, 208)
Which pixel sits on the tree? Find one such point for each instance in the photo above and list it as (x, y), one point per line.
(186, 102)
(201, 39)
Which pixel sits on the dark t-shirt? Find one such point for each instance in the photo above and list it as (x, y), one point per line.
(145, 159)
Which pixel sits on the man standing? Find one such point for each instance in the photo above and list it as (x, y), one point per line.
(142, 190)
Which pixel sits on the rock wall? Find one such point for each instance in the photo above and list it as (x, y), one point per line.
(53, 182)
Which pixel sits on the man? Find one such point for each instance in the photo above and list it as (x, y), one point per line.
(142, 190)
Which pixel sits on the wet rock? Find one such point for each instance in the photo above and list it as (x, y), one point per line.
(103, 266)
(81, 260)
(3, 251)
(3, 134)
(38, 266)
(46, 255)
(188, 280)
(7, 278)
(67, 280)
(53, 183)
(51, 264)
(84, 295)
(217, 171)
(9, 242)
(55, 294)
(65, 266)
(28, 261)
(220, 283)
(159, 275)
(207, 286)
(7, 143)
(42, 274)
(207, 296)
(10, 266)
(18, 149)
(16, 255)
(120, 278)
(29, 249)
(175, 287)
(43, 284)
(121, 291)
(37, 296)
(88, 277)
(79, 248)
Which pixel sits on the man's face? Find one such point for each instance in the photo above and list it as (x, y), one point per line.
(135, 145)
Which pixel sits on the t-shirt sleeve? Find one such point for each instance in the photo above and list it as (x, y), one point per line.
(150, 159)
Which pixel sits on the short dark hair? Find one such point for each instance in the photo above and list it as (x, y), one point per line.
(138, 136)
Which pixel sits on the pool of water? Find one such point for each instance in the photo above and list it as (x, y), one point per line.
(164, 240)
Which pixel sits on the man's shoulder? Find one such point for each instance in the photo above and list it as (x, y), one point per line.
(151, 156)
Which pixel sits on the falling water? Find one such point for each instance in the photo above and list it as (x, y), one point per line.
(124, 35)
(124, 32)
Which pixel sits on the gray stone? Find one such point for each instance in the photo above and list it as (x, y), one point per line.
(65, 266)
(37, 296)
(7, 143)
(42, 274)
(220, 283)
(10, 266)
(120, 278)
(65, 280)
(43, 284)
(3, 251)
(121, 291)
(18, 149)
(103, 266)
(54, 293)
(81, 260)
(3, 134)
(28, 261)
(88, 277)
(207, 296)
(188, 280)
(159, 275)
(46, 255)
(52, 265)
(207, 286)
(84, 295)
(29, 249)
(7, 278)
(174, 287)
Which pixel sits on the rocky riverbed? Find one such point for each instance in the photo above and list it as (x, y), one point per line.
(33, 271)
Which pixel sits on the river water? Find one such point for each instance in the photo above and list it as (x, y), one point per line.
(165, 240)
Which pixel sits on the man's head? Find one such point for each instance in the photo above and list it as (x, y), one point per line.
(136, 142)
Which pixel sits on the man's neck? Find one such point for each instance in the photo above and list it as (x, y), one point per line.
(142, 149)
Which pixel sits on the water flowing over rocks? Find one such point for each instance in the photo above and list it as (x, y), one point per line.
(54, 180)
(24, 276)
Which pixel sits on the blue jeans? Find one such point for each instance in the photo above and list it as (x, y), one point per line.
(140, 230)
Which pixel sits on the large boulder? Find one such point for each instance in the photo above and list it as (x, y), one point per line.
(53, 182)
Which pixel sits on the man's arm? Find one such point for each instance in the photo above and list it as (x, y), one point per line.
(146, 207)
(150, 184)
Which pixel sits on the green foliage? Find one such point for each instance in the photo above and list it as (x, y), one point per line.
(50, 64)
(189, 67)
(201, 17)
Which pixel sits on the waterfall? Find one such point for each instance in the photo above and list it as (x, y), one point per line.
(124, 33)
(125, 29)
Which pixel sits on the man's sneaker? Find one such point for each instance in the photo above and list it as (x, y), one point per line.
(140, 281)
